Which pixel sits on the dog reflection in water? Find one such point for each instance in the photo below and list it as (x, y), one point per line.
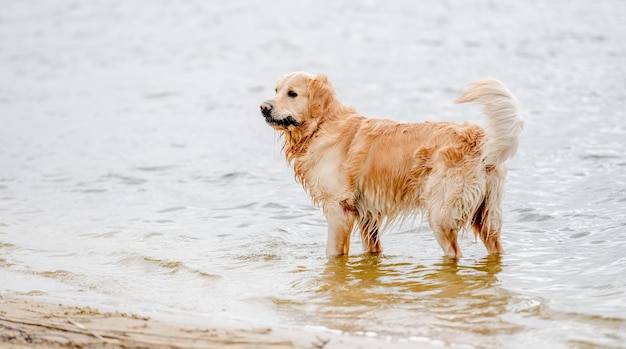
(367, 173)
(445, 294)
(379, 280)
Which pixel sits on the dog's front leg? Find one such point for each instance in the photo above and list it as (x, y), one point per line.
(370, 234)
(340, 224)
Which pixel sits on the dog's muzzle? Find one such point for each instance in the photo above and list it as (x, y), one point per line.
(267, 109)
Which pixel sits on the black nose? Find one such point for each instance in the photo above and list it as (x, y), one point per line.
(266, 108)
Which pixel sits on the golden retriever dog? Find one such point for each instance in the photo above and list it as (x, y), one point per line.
(367, 173)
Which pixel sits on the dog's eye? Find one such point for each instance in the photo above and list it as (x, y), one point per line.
(292, 94)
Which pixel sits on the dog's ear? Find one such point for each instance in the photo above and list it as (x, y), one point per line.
(321, 95)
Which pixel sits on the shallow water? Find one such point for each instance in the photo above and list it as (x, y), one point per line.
(136, 170)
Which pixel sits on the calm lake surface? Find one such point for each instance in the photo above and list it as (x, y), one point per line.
(137, 172)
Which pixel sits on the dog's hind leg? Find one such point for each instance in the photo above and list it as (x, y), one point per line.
(492, 241)
(445, 213)
(446, 237)
(487, 225)
(487, 221)
(340, 225)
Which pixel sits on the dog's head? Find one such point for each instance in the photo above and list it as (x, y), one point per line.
(301, 100)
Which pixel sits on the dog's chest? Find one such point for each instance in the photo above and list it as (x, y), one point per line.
(325, 177)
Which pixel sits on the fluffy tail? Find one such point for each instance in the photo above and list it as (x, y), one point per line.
(504, 122)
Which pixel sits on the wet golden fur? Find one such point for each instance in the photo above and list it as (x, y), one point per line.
(368, 172)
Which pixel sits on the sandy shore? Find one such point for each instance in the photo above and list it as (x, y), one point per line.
(28, 323)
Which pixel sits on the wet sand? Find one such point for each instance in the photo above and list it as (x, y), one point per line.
(28, 323)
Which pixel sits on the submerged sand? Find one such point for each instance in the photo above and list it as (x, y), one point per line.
(28, 323)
